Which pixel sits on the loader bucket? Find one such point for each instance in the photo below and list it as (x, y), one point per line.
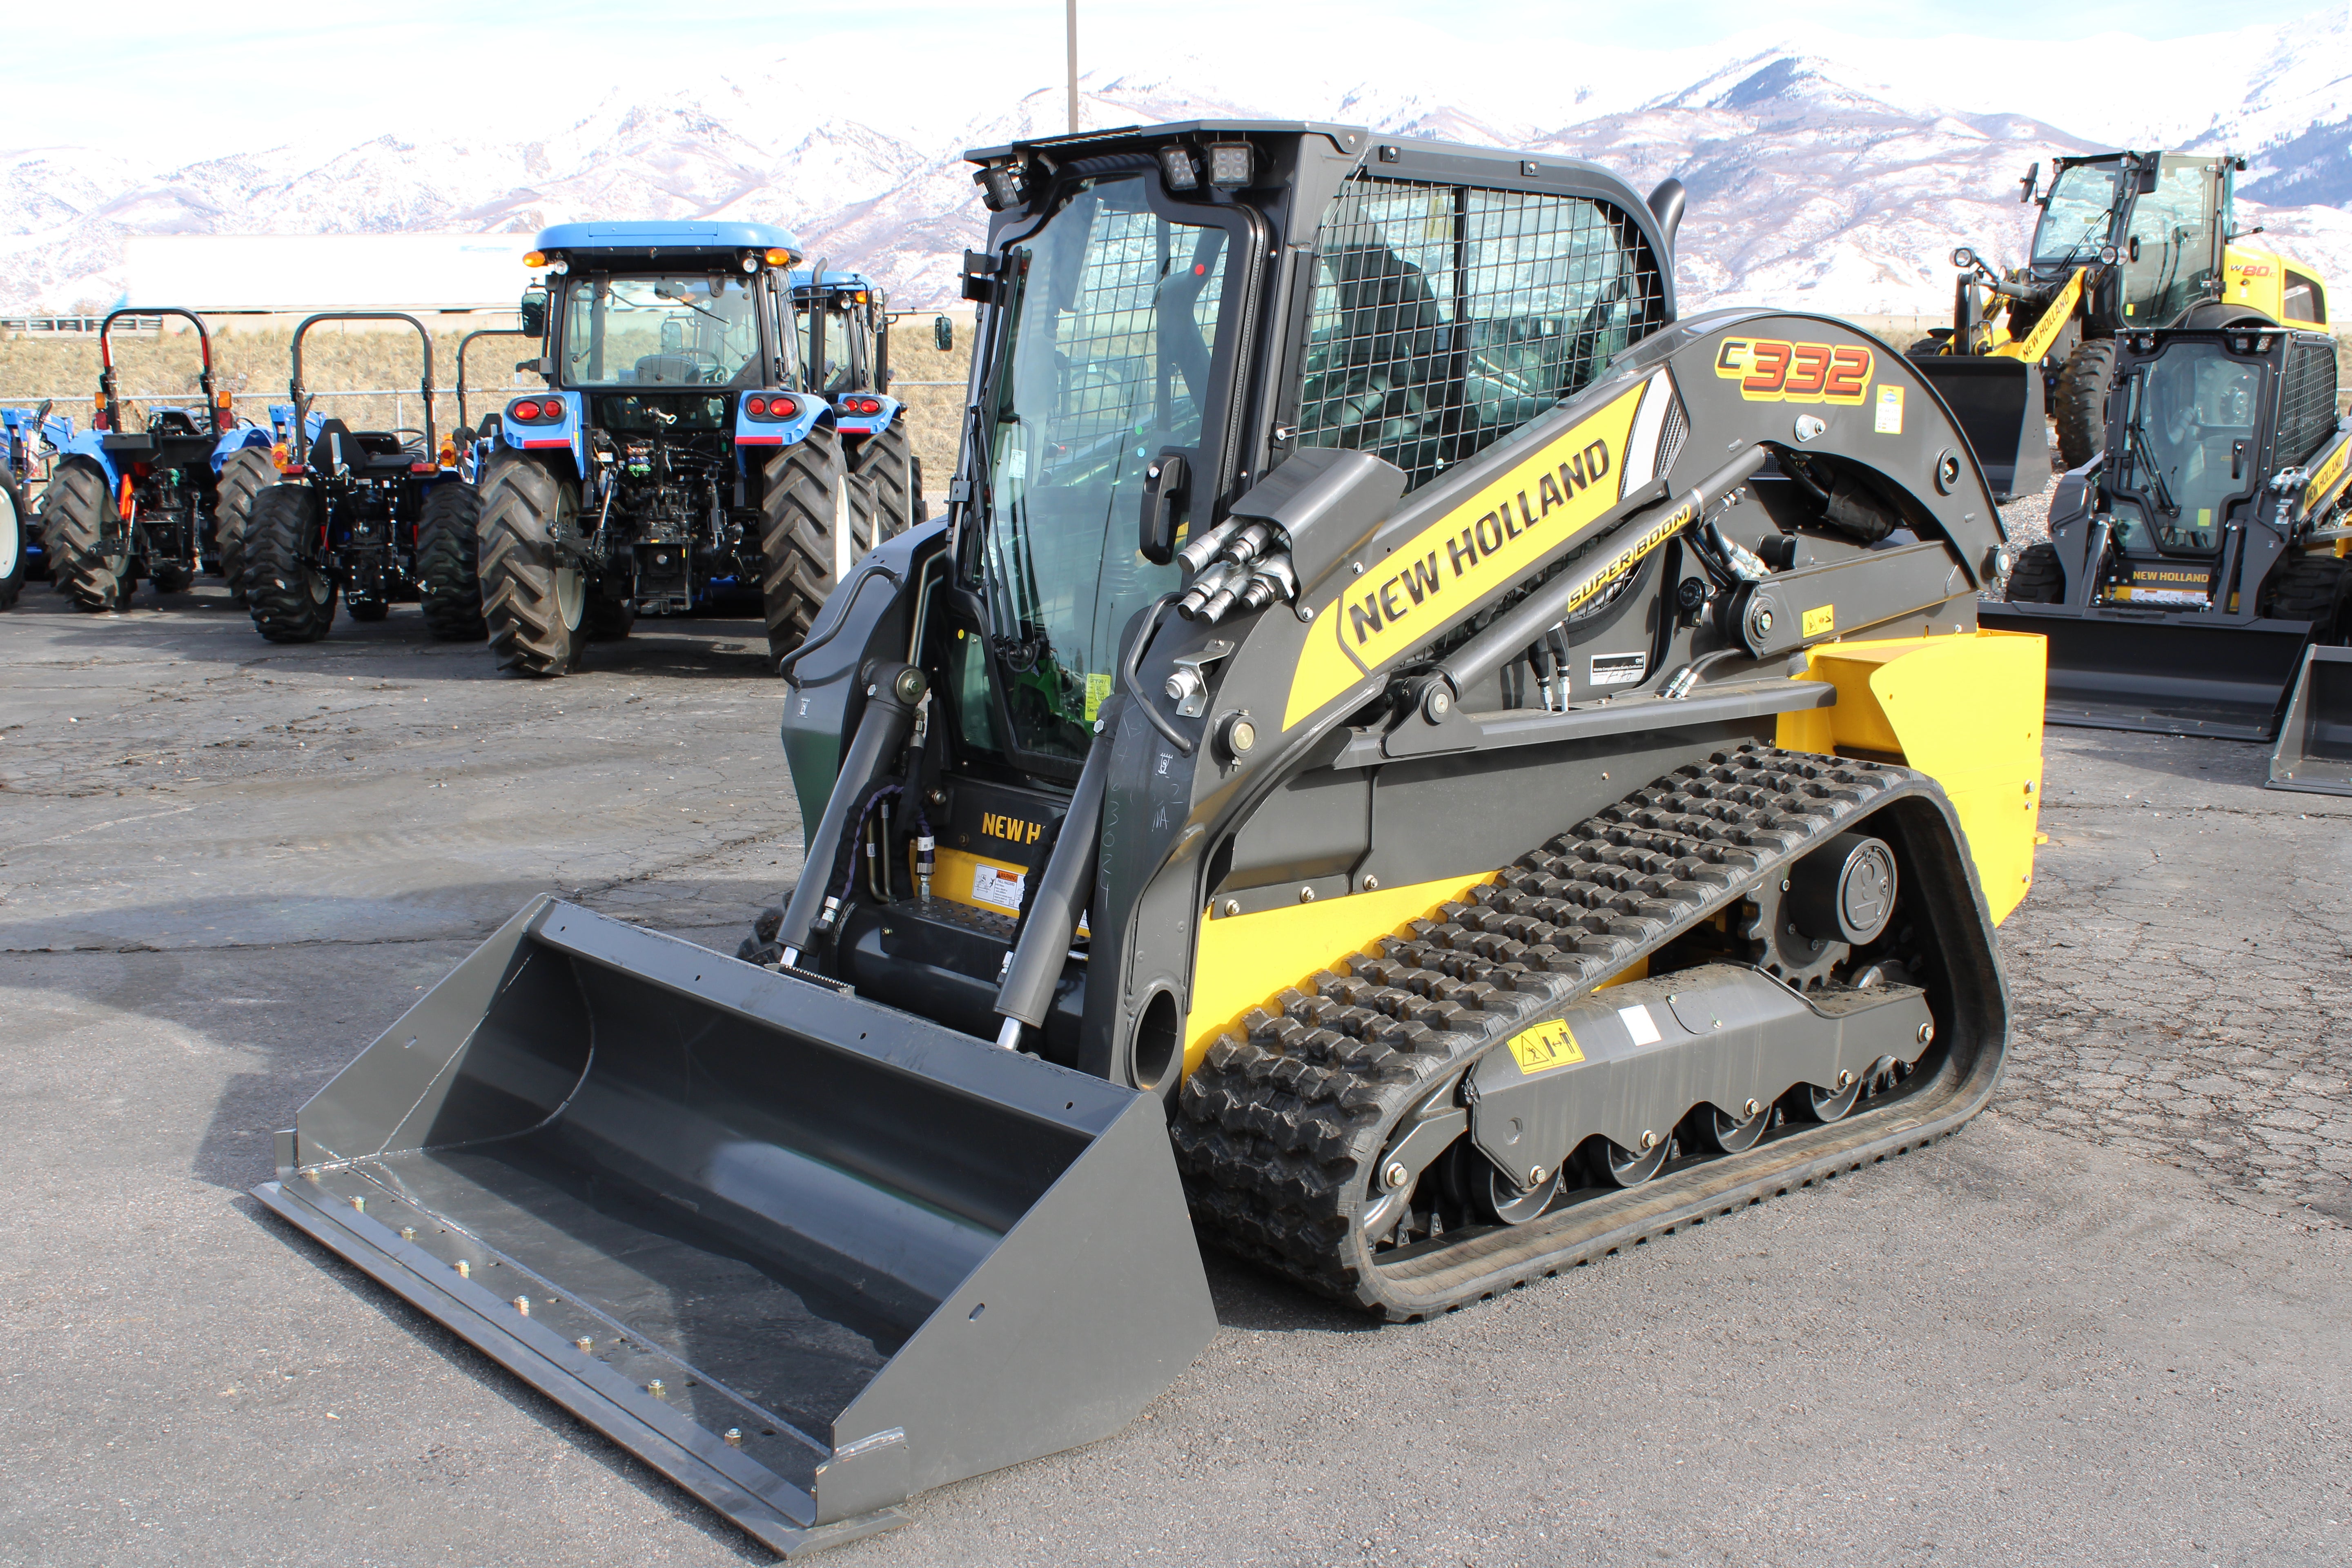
(802, 1253)
(2314, 744)
(1998, 405)
(2168, 675)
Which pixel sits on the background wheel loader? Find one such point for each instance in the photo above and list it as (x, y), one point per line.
(125, 505)
(2200, 553)
(678, 456)
(2126, 241)
(1403, 748)
(846, 343)
(352, 513)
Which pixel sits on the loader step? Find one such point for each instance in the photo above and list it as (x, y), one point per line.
(1282, 1136)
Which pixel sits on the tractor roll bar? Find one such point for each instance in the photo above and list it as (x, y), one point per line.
(111, 415)
(464, 423)
(300, 434)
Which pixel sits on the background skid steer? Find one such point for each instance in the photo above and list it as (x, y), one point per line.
(1437, 765)
(2196, 558)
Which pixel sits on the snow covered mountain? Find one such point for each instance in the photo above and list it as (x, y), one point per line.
(1824, 171)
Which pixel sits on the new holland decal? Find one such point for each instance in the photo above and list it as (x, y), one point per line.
(2325, 479)
(1770, 370)
(1496, 536)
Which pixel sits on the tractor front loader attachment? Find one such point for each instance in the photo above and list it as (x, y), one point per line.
(1997, 403)
(804, 1253)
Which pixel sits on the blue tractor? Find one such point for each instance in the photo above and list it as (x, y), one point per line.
(124, 505)
(29, 436)
(680, 457)
(846, 343)
(360, 513)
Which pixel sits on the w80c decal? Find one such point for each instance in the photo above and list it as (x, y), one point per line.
(1770, 371)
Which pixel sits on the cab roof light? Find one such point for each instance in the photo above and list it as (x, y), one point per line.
(1177, 168)
(534, 258)
(779, 259)
(1229, 165)
(1001, 185)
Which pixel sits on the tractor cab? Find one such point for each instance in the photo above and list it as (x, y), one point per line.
(2158, 221)
(845, 345)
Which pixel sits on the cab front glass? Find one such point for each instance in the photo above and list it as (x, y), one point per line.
(660, 329)
(2188, 453)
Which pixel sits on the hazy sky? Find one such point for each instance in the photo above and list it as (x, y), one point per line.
(178, 81)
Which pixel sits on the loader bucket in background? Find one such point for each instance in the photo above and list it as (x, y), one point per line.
(2167, 675)
(2314, 743)
(1998, 405)
(804, 1253)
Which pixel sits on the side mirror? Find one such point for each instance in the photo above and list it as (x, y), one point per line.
(1166, 486)
(2025, 186)
(943, 333)
(535, 312)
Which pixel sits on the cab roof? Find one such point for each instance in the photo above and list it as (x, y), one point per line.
(659, 235)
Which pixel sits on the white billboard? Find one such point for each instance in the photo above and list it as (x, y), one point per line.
(291, 272)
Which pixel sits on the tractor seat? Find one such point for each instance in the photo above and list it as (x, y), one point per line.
(670, 370)
(362, 450)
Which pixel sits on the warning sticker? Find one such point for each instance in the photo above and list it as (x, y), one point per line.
(1001, 889)
(1097, 687)
(1640, 1025)
(1551, 1045)
(1890, 411)
(1619, 669)
(1820, 620)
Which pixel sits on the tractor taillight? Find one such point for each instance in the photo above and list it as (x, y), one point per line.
(527, 409)
(757, 407)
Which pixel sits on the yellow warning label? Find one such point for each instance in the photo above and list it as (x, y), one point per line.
(1097, 687)
(1820, 620)
(1551, 1045)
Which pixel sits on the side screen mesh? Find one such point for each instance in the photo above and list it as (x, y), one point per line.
(1446, 317)
(2307, 401)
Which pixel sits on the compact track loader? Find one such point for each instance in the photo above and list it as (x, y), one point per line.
(1403, 748)
(2126, 241)
(2196, 558)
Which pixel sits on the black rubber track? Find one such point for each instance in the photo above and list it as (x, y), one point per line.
(1279, 1135)
(525, 507)
(888, 462)
(289, 598)
(448, 553)
(796, 525)
(2082, 411)
(248, 471)
(2310, 588)
(2037, 578)
(12, 542)
(74, 507)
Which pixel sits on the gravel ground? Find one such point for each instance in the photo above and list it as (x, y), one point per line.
(2110, 1323)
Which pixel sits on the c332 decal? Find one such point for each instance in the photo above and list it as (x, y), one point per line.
(1769, 370)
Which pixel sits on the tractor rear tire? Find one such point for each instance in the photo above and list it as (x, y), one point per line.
(2037, 578)
(291, 600)
(609, 620)
(246, 474)
(805, 494)
(2081, 410)
(534, 609)
(888, 461)
(448, 562)
(2311, 588)
(73, 510)
(12, 542)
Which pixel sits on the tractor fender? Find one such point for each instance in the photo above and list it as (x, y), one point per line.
(569, 436)
(91, 444)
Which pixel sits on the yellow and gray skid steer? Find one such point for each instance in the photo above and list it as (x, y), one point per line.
(1404, 748)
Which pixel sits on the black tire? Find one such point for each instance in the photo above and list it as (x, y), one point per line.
(2082, 411)
(291, 599)
(73, 512)
(2310, 588)
(609, 620)
(368, 610)
(804, 486)
(246, 474)
(2037, 578)
(889, 463)
(174, 578)
(448, 562)
(12, 542)
(534, 610)
(762, 947)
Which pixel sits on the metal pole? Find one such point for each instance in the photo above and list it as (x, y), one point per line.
(1073, 65)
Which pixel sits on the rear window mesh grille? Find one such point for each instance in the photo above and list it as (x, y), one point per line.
(2307, 401)
(1447, 317)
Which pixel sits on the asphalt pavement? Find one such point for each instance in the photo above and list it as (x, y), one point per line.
(2109, 1323)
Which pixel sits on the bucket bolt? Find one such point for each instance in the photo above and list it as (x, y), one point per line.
(464, 1269)
(1395, 1176)
(734, 1436)
(654, 1388)
(585, 1345)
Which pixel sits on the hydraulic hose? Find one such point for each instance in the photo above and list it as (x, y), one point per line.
(891, 692)
(1063, 888)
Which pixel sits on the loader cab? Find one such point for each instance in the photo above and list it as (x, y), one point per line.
(2186, 451)
(2166, 215)
(843, 332)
